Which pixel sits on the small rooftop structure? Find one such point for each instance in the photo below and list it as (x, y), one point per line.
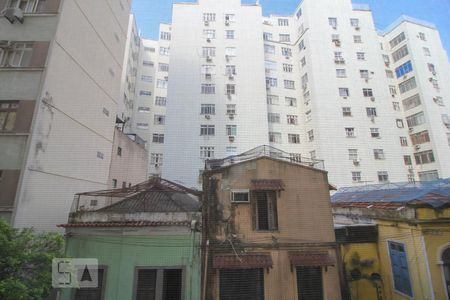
(263, 151)
(434, 194)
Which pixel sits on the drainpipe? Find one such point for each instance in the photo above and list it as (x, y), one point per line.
(205, 271)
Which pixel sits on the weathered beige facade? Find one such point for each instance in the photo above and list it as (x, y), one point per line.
(296, 233)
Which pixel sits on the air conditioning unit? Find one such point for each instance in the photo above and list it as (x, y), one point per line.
(166, 78)
(305, 86)
(417, 147)
(229, 96)
(393, 95)
(227, 57)
(431, 79)
(208, 58)
(366, 79)
(334, 27)
(337, 43)
(345, 97)
(231, 76)
(410, 129)
(405, 76)
(372, 99)
(288, 57)
(208, 40)
(231, 138)
(208, 76)
(357, 28)
(13, 14)
(356, 161)
(231, 116)
(387, 63)
(206, 23)
(207, 117)
(227, 22)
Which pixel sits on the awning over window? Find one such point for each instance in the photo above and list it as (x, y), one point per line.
(267, 184)
(242, 261)
(310, 258)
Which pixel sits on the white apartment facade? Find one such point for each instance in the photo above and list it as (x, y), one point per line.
(315, 84)
(60, 77)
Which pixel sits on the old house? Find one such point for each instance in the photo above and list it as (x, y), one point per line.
(268, 229)
(146, 239)
(411, 253)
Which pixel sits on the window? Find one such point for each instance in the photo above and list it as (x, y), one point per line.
(8, 115)
(446, 120)
(230, 89)
(231, 109)
(295, 157)
(411, 102)
(407, 85)
(407, 160)
(305, 79)
(426, 51)
(312, 154)
(234, 283)
(416, 119)
(335, 38)
(147, 281)
(286, 52)
(347, 111)
(303, 61)
(403, 141)
(431, 68)
(229, 34)
(422, 36)
(400, 53)
(142, 125)
(308, 116)
(439, 101)
(148, 63)
(165, 36)
(294, 138)
(163, 51)
(383, 176)
(240, 196)
(289, 84)
(364, 74)
(357, 39)
(269, 49)
(231, 130)
(307, 98)
(207, 130)
(163, 67)
(146, 78)
(114, 183)
(231, 150)
(311, 135)
(309, 282)
(267, 36)
(208, 88)
(208, 51)
(378, 154)
(299, 13)
(352, 154)
(301, 45)
(389, 74)
(272, 100)
(424, 157)
(285, 38)
(145, 93)
(158, 138)
(400, 271)
(399, 123)
(290, 101)
(283, 22)
(396, 106)
(265, 210)
(375, 132)
(393, 90)
(273, 117)
(287, 68)
(19, 55)
(209, 33)
(159, 120)
(404, 69)
(149, 49)
(397, 40)
(230, 51)
(341, 73)
(271, 82)
(360, 55)
(208, 109)
(386, 59)
(429, 175)
(119, 151)
(332, 22)
(367, 92)
(230, 69)
(206, 152)
(356, 176)
(144, 109)
(371, 111)
(350, 132)
(209, 17)
(344, 92)
(208, 69)
(292, 119)
(420, 137)
(270, 65)
(160, 101)
(230, 17)
(275, 137)
(162, 83)
(96, 293)
(354, 22)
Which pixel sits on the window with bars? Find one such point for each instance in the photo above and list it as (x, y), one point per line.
(341, 73)
(208, 109)
(229, 34)
(360, 55)
(273, 117)
(378, 154)
(332, 22)
(271, 82)
(241, 284)
(8, 115)
(165, 35)
(420, 137)
(286, 52)
(230, 89)
(344, 92)
(164, 51)
(147, 280)
(397, 40)
(231, 130)
(158, 138)
(375, 132)
(288, 68)
(209, 17)
(424, 157)
(163, 67)
(416, 119)
(209, 33)
(160, 101)
(310, 135)
(209, 51)
(350, 132)
(292, 119)
(357, 39)
(230, 70)
(267, 36)
(207, 130)
(383, 176)
(284, 37)
(371, 111)
(159, 119)
(347, 111)
(231, 109)
(352, 154)
(275, 137)
(283, 22)
(400, 53)
(293, 138)
(309, 283)
(156, 159)
(207, 88)
(289, 84)
(162, 83)
(206, 152)
(273, 100)
(356, 176)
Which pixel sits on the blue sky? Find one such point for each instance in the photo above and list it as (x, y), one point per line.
(149, 13)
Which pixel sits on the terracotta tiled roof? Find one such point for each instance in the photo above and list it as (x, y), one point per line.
(310, 258)
(267, 184)
(242, 261)
(124, 224)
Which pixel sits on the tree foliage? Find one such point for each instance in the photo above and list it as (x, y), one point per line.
(26, 262)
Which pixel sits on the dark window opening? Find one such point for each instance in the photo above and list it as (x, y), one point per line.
(172, 284)
(265, 210)
(242, 284)
(119, 151)
(92, 293)
(309, 283)
(162, 284)
(146, 285)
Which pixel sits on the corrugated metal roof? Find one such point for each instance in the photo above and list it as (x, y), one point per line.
(124, 224)
(434, 194)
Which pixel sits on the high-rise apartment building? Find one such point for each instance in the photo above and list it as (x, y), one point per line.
(321, 83)
(60, 77)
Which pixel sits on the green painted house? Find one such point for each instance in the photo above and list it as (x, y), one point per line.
(146, 239)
